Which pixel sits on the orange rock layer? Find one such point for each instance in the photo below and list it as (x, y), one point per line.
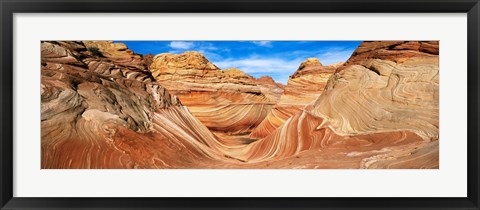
(378, 110)
(384, 86)
(376, 104)
(303, 87)
(225, 101)
(98, 114)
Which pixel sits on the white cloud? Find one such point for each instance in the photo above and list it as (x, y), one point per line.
(207, 46)
(333, 56)
(209, 50)
(279, 66)
(210, 55)
(181, 45)
(279, 69)
(263, 43)
(258, 64)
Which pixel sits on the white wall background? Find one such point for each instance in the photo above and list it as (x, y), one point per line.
(450, 180)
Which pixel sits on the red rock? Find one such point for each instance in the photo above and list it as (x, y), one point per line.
(378, 110)
(303, 87)
(397, 51)
(118, 53)
(227, 100)
(97, 113)
(148, 60)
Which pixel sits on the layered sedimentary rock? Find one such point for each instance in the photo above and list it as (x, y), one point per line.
(118, 53)
(379, 110)
(303, 87)
(148, 59)
(225, 101)
(102, 112)
(385, 86)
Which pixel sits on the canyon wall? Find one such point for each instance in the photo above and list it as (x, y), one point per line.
(379, 110)
(303, 88)
(104, 106)
(228, 101)
(107, 111)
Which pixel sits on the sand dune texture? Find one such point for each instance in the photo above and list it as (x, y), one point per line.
(118, 109)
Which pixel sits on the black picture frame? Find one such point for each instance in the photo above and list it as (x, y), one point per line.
(9, 7)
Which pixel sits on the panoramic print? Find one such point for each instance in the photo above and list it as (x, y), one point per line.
(239, 104)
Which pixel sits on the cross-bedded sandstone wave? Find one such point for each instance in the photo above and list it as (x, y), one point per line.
(227, 100)
(301, 134)
(99, 114)
(378, 110)
(383, 100)
(303, 87)
(233, 118)
(385, 86)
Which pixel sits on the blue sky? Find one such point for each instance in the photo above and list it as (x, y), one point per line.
(278, 59)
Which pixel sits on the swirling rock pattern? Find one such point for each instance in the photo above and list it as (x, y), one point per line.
(382, 104)
(395, 86)
(99, 114)
(119, 54)
(303, 87)
(226, 100)
(377, 110)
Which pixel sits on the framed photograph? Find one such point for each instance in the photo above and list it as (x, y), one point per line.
(239, 105)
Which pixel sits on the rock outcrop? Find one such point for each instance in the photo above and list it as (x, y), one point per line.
(104, 112)
(225, 101)
(117, 53)
(303, 87)
(148, 60)
(379, 110)
(395, 86)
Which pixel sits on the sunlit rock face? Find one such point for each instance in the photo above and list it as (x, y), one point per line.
(107, 110)
(385, 86)
(103, 112)
(119, 54)
(379, 110)
(228, 101)
(303, 87)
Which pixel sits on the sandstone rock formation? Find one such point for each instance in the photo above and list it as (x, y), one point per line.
(118, 53)
(148, 60)
(225, 101)
(303, 87)
(381, 106)
(103, 112)
(396, 84)
(106, 110)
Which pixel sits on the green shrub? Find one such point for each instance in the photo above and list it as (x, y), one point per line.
(95, 51)
(301, 67)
